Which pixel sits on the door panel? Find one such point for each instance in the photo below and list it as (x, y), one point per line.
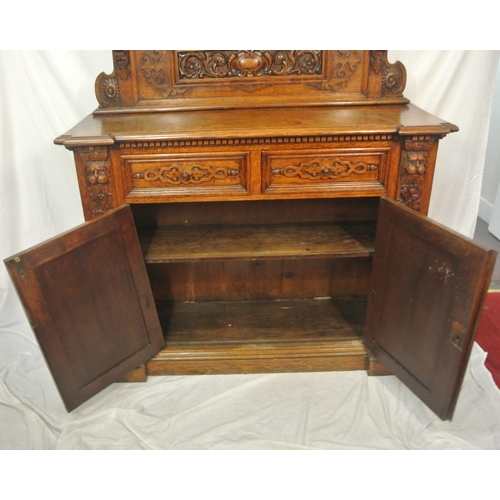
(88, 299)
(428, 287)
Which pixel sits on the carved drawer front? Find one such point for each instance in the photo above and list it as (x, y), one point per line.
(324, 170)
(186, 174)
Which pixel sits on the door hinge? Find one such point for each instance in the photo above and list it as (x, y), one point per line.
(20, 268)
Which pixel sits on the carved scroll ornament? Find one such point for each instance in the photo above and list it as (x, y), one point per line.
(324, 169)
(248, 63)
(108, 86)
(393, 75)
(186, 174)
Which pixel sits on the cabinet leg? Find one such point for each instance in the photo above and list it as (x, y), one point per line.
(376, 368)
(140, 374)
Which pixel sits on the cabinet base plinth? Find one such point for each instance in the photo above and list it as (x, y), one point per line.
(340, 356)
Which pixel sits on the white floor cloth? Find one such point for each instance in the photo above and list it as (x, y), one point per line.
(336, 410)
(43, 94)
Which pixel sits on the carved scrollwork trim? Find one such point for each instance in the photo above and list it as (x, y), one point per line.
(324, 169)
(212, 64)
(186, 173)
(98, 181)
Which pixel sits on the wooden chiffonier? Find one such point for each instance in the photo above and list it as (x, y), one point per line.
(255, 211)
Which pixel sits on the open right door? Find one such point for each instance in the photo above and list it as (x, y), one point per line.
(426, 297)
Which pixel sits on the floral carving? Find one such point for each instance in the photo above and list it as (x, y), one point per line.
(152, 66)
(392, 81)
(109, 90)
(324, 169)
(99, 185)
(248, 63)
(186, 174)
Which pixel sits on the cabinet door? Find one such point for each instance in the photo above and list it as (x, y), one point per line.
(428, 288)
(88, 299)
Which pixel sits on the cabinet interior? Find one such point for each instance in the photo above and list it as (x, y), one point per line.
(259, 273)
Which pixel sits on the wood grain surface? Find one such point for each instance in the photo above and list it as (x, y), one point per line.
(274, 241)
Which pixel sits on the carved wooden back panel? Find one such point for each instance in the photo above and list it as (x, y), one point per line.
(199, 79)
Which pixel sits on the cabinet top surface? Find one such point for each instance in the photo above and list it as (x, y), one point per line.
(246, 123)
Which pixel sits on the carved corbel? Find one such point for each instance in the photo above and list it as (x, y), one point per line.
(413, 173)
(96, 181)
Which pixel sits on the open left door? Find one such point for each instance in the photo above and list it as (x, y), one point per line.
(88, 299)
(426, 297)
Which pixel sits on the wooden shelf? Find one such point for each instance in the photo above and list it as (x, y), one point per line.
(272, 241)
(282, 322)
(261, 337)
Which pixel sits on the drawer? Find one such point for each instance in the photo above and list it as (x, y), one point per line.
(347, 172)
(165, 175)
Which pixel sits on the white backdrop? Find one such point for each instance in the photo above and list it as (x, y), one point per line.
(457, 86)
(43, 94)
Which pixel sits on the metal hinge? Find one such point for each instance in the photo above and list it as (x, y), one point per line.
(20, 268)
